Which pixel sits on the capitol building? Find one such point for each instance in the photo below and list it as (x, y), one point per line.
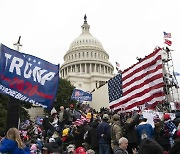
(86, 63)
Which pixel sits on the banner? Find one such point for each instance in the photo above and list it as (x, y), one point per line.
(28, 78)
(80, 95)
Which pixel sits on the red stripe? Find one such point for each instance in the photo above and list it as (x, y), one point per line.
(142, 68)
(147, 81)
(137, 95)
(160, 94)
(156, 88)
(144, 75)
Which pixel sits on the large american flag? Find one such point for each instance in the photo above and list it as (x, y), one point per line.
(137, 85)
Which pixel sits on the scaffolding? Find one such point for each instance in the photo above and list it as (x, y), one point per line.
(170, 82)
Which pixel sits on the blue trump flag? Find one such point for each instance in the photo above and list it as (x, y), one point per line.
(80, 95)
(28, 78)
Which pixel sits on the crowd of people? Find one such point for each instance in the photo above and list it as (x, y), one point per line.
(82, 130)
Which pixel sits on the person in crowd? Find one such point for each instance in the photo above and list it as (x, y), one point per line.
(13, 144)
(46, 126)
(130, 133)
(176, 121)
(161, 133)
(144, 130)
(176, 147)
(71, 114)
(123, 143)
(63, 118)
(52, 146)
(91, 137)
(149, 146)
(104, 137)
(170, 126)
(70, 149)
(54, 120)
(33, 147)
(116, 131)
(78, 135)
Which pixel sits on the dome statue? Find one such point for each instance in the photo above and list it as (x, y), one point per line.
(86, 62)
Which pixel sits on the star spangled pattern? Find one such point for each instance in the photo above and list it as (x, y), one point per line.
(167, 35)
(115, 87)
(141, 83)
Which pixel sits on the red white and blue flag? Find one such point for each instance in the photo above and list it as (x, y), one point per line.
(28, 78)
(168, 42)
(80, 95)
(81, 120)
(137, 85)
(167, 35)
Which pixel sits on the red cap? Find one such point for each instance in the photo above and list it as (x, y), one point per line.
(80, 150)
(166, 116)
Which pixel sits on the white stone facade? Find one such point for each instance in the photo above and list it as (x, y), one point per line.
(86, 63)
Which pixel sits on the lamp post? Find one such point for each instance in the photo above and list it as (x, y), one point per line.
(13, 108)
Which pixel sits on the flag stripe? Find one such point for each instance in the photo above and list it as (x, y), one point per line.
(141, 83)
(168, 42)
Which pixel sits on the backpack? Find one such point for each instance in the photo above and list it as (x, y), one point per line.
(144, 134)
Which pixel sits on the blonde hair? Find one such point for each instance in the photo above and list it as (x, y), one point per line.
(13, 134)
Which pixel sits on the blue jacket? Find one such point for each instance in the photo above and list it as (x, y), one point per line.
(8, 145)
(104, 128)
(149, 129)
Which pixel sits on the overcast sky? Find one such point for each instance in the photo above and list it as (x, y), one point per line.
(126, 28)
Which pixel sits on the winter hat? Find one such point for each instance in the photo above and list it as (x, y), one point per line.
(80, 150)
(33, 147)
(156, 118)
(116, 117)
(166, 116)
(70, 148)
(65, 132)
(53, 111)
(88, 116)
(51, 140)
(105, 116)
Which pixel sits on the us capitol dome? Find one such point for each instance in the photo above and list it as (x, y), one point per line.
(86, 63)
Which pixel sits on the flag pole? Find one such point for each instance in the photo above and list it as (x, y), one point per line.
(13, 108)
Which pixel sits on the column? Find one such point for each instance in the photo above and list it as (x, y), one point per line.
(90, 67)
(85, 68)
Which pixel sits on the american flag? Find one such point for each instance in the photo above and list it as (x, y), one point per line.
(141, 83)
(167, 35)
(80, 121)
(168, 42)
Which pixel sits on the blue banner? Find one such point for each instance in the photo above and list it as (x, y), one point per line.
(28, 78)
(80, 95)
